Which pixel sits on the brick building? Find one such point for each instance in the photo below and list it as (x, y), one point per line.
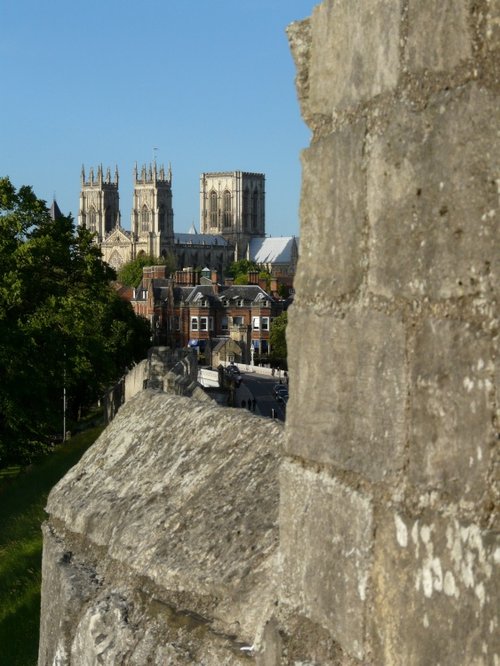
(193, 309)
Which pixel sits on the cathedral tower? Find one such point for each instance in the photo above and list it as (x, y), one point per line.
(232, 204)
(99, 202)
(152, 221)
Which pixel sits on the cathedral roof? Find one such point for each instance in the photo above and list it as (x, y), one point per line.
(272, 250)
(199, 239)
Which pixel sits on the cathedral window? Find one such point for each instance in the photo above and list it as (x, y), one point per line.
(108, 219)
(246, 208)
(255, 204)
(227, 209)
(161, 218)
(92, 219)
(213, 209)
(144, 219)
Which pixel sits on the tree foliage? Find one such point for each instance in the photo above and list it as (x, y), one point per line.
(130, 274)
(277, 337)
(239, 270)
(61, 323)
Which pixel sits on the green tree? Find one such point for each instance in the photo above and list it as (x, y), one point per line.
(130, 274)
(277, 337)
(61, 323)
(239, 270)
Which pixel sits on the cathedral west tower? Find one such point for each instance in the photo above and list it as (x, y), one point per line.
(99, 202)
(232, 205)
(152, 222)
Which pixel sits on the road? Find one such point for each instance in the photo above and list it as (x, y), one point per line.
(260, 387)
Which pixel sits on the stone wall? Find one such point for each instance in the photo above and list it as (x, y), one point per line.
(172, 371)
(161, 542)
(389, 512)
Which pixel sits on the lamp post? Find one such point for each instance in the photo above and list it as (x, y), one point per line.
(64, 398)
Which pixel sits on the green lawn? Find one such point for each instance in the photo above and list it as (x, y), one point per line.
(22, 502)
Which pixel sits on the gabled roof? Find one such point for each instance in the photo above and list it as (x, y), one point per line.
(272, 250)
(201, 292)
(118, 234)
(246, 292)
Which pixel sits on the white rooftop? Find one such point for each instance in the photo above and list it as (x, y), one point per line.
(272, 250)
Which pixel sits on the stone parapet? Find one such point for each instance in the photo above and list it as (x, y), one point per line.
(161, 542)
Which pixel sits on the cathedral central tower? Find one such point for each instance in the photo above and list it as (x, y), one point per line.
(232, 204)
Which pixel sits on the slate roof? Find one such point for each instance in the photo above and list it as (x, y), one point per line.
(201, 291)
(55, 211)
(247, 292)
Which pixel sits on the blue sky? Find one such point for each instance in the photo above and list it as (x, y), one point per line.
(208, 83)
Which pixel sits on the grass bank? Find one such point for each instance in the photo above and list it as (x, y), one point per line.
(22, 502)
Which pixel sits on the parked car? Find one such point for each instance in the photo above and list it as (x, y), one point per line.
(282, 398)
(233, 373)
(279, 389)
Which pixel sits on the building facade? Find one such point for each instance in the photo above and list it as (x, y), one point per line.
(196, 311)
(232, 205)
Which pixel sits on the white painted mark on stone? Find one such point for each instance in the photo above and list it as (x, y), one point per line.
(401, 531)
(480, 593)
(425, 533)
(468, 384)
(449, 587)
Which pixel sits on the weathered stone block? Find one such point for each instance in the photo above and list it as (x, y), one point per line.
(179, 498)
(347, 405)
(493, 24)
(438, 34)
(299, 37)
(432, 198)
(452, 408)
(435, 592)
(354, 54)
(325, 541)
(332, 212)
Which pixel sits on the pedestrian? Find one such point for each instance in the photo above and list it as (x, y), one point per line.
(249, 404)
(254, 402)
(273, 371)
